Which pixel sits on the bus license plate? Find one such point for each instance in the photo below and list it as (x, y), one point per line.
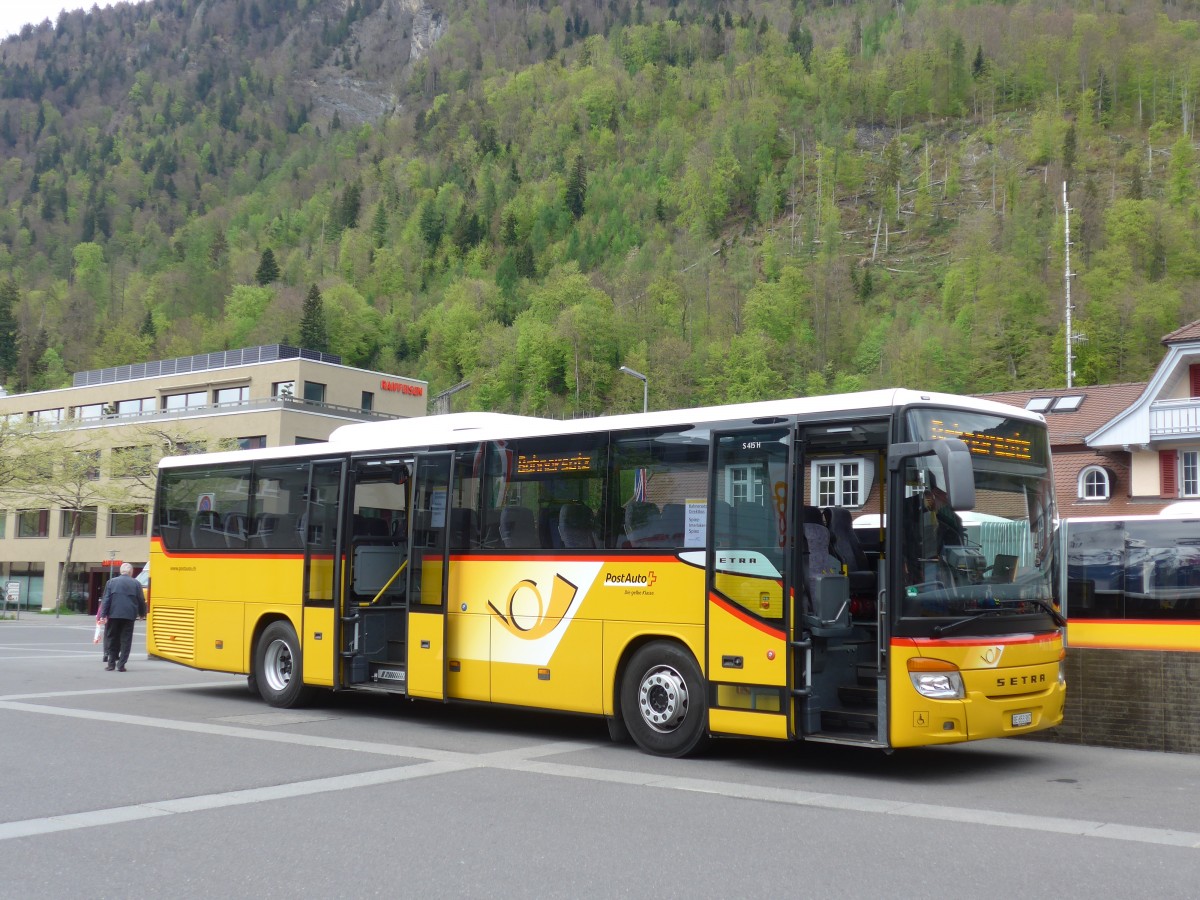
(1019, 719)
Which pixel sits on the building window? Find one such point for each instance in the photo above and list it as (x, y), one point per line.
(47, 416)
(3, 523)
(252, 443)
(1094, 484)
(744, 484)
(232, 396)
(1189, 473)
(33, 523)
(191, 400)
(136, 407)
(840, 482)
(314, 392)
(285, 389)
(127, 523)
(87, 522)
(90, 411)
(368, 401)
(131, 461)
(88, 464)
(307, 440)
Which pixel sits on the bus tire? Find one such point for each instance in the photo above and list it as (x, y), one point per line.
(279, 667)
(663, 700)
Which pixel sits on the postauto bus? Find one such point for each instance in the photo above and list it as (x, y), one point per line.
(683, 574)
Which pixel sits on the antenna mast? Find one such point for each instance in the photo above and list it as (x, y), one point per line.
(1067, 281)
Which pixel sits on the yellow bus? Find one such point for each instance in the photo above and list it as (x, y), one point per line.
(871, 569)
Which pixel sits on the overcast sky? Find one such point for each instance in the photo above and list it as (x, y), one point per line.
(15, 13)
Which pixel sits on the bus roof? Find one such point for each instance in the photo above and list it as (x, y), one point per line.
(453, 428)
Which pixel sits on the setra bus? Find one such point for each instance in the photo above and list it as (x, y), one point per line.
(684, 574)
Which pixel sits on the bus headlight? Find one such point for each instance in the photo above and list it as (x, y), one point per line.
(936, 678)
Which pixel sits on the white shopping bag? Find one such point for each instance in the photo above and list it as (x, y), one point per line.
(98, 635)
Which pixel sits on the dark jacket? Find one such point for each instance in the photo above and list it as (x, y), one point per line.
(123, 599)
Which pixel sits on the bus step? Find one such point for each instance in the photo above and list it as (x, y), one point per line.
(867, 673)
(858, 695)
(390, 676)
(856, 720)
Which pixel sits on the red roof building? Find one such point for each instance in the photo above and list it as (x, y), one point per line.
(1125, 449)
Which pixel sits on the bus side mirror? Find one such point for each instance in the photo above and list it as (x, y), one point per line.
(955, 459)
(960, 476)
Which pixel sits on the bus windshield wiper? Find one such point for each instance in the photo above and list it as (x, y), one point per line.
(1049, 610)
(939, 630)
(1004, 609)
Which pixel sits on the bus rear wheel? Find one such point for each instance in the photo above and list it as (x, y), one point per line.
(279, 669)
(662, 700)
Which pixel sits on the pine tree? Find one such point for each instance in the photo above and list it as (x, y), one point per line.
(268, 269)
(577, 188)
(9, 295)
(379, 227)
(313, 333)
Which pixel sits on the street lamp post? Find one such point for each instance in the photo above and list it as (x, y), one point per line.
(645, 386)
(112, 559)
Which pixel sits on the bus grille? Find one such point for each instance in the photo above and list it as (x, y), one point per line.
(175, 632)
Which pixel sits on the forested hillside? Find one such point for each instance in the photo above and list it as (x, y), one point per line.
(741, 200)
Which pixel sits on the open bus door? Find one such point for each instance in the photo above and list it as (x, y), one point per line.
(749, 582)
(428, 575)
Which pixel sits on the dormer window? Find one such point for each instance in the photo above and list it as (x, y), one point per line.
(1094, 484)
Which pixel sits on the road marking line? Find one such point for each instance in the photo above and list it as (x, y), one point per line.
(50, 695)
(526, 760)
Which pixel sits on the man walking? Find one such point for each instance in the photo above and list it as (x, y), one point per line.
(123, 601)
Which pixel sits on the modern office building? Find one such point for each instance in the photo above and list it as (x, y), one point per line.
(126, 417)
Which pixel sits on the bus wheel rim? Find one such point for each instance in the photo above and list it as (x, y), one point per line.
(663, 699)
(278, 665)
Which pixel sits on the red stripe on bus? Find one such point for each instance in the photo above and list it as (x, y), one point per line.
(975, 641)
(738, 613)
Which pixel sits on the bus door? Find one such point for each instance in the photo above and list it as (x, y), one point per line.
(428, 574)
(375, 560)
(749, 585)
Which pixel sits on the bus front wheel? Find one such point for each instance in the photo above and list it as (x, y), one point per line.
(279, 669)
(662, 700)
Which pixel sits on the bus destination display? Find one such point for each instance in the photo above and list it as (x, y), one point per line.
(534, 464)
(983, 444)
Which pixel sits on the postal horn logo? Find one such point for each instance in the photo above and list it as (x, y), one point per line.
(528, 615)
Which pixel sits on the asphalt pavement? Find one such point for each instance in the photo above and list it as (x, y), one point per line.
(165, 781)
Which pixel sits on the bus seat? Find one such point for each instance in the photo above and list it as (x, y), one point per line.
(206, 530)
(827, 614)
(548, 534)
(237, 529)
(846, 547)
(641, 523)
(281, 532)
(575, 523)
(517, 529)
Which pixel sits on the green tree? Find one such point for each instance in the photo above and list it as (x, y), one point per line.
(10, 296)
(268, 269)
(577, 187)
(313, 333)
(59, 470)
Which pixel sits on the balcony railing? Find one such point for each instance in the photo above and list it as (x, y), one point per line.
(1175, 418)
(284, 403)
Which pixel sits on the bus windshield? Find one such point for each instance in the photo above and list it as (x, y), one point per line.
(994, 560)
